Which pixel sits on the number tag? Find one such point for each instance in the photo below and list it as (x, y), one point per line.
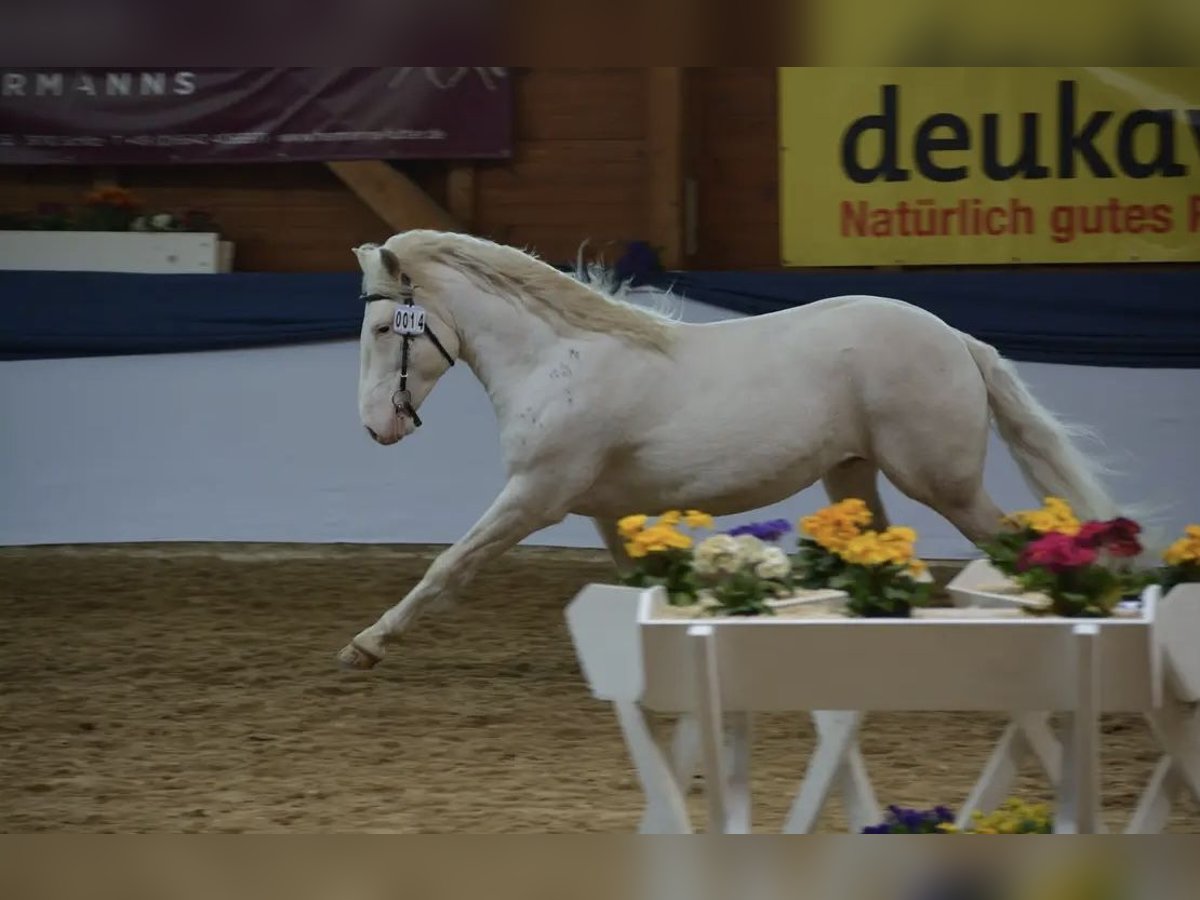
(409, 320)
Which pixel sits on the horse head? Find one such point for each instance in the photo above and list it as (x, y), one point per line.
(402, 354)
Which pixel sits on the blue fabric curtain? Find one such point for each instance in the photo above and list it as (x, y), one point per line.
(1121, 317)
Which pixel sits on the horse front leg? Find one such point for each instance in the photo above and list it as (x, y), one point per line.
(519, 511)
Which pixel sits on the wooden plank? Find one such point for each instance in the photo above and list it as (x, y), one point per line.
(737, 164)
(461, 193)
(579, 104)
(393, 196)
(665, 162)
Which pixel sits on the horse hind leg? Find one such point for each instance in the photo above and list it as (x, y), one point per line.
(961, 500)
(857, 478)
(616, 546)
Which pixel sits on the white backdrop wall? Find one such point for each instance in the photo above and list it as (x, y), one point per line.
(265, 445)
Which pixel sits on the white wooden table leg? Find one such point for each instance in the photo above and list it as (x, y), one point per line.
(1154, 809)
(685, 750)
(708, 703)
(996, 782)
(1177, 730)
(740, 737)
(837, 734)
(666, 811)
(1040, 738)
(1079, 788)
(858, 794)
(1027, 733)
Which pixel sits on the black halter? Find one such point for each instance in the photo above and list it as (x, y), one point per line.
(402, 399)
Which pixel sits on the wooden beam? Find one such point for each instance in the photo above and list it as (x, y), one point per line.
(665, 133)
(460, 193)
(393, 196)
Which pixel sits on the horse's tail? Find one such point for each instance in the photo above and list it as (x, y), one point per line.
(1043, 446)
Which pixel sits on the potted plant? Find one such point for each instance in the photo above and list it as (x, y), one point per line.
(1023, 528)
(741, 574)
(878, 570)
(1066, 567)
(111, 231)
(662, 553)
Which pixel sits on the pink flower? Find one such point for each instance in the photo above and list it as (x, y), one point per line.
(1056, 552)
(1117, 536)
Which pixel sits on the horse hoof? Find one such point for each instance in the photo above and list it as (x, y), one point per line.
(355, 658)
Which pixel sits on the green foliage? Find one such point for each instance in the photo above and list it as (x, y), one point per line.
(814, 566)
(882, 592)
(671, 570)
(1181, 573)
(1004, 549)
(1085, 592)
(743, 593)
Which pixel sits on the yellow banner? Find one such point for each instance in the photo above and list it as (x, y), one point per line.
(954, 166)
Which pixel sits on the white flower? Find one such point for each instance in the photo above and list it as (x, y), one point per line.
(718, 553)
(162, 222)
(750, 549)
(774, 564)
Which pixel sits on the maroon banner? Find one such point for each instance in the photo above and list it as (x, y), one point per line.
(142, 116)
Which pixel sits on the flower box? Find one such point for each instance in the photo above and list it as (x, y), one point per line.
(717, 633)
(176, 253)
(964, 658)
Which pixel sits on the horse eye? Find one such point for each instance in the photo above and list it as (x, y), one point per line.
(382, 329)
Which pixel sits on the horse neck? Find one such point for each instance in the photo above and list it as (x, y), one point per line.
(501, 341)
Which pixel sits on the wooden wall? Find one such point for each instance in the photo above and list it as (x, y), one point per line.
(736, 121)
(580, 172)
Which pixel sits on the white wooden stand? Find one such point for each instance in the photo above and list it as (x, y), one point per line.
(714, 674)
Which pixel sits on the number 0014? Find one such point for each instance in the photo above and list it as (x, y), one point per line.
(409, 320)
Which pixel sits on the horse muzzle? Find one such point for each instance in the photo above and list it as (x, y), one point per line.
(387, 438)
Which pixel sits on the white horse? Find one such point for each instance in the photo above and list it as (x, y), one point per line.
(607, 409)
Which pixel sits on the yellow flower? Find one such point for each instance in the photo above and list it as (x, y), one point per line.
(1186, 549)
(631, 525)
(835, 526)
(660, 538)
(899, 533)
(917, 568)
(635, 550)
(671, 517)
(872, 548)
(865, 550)
(677, 540)
(1054, 516)
(694, 518)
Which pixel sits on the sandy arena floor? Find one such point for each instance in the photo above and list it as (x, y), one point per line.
(193, 688)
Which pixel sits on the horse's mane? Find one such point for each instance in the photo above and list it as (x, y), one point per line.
(525, 279)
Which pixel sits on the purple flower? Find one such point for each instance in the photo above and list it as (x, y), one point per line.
(901, 820)
(764, 531)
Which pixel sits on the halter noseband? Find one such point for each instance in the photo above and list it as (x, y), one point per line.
(402, 399)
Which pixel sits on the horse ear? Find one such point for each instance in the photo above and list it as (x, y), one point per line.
(361, 253)
(391, 262)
